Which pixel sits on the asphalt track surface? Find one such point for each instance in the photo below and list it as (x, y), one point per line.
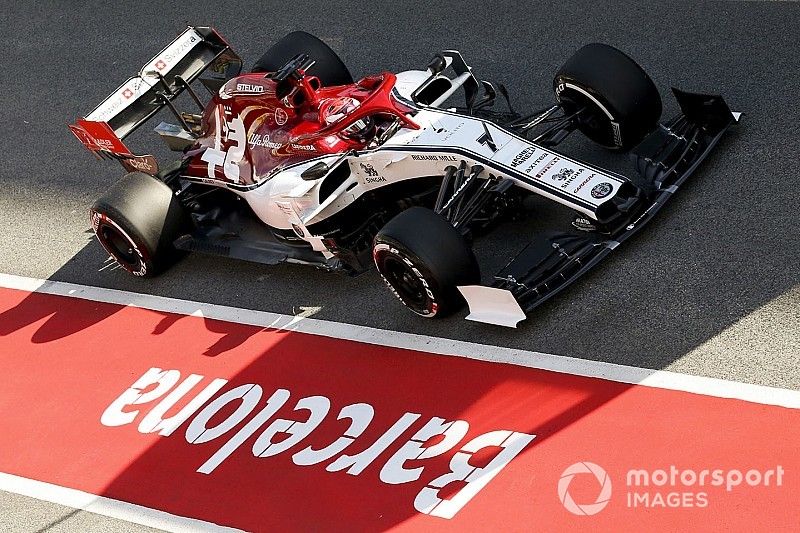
(711, 287)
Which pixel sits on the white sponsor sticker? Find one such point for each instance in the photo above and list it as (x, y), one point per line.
(120, 99)
(172, 54)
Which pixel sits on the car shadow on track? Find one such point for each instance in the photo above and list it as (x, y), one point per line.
(58, 324)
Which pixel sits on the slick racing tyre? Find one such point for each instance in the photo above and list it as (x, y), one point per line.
(327, 67)
(622, 102)
(423, 259)
(137, 221)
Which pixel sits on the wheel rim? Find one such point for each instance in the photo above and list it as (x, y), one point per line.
(120, 248)
(408, 285)
(592, 121)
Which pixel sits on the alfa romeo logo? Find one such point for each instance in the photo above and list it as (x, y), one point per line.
(601, 190)
(584, 509)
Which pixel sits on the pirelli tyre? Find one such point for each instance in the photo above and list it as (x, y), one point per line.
(137, 221)
(328, 67)
(621, 102)
(423, 260)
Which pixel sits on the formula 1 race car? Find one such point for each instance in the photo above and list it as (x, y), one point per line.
(295, 162)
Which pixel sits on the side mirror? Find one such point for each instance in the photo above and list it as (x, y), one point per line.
(437, 64)
(315, 172)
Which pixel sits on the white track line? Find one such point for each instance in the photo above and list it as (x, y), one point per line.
(556, 363)
(101, 505)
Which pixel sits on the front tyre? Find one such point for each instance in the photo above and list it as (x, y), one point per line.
(137, 221)
(423, 260)
(621, 103)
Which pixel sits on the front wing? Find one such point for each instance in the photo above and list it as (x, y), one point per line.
(551, 262)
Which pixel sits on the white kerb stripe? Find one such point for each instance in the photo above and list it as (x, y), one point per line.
(556, 363)
(101, 505)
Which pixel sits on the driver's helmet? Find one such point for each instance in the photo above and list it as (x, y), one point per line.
(332, 110)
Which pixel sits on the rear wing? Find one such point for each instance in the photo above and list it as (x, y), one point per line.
(198, 50)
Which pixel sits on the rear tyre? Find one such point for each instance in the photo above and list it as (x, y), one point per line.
(623, 104)
(423, 259)
(328, 67)
(137, 221)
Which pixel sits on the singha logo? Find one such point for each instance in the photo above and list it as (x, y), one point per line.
(369, 170)
(563, 174)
